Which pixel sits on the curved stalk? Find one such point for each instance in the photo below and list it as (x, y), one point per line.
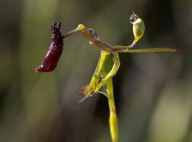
(114, 67)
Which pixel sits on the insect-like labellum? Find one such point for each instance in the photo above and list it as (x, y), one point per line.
(54, 52)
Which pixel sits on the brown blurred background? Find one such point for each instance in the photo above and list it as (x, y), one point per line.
(153, 91)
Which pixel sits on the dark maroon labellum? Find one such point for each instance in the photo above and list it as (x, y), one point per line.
(54, 52)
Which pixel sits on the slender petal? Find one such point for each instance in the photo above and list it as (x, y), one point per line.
(151, 50)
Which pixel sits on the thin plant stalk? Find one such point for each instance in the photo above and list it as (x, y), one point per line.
(113, 120)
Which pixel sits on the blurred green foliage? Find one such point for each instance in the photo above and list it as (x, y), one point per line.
(153, 90)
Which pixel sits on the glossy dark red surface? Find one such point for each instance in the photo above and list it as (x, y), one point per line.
(54, 52)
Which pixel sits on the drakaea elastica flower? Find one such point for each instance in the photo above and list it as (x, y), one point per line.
(55, 49)
(108, 63)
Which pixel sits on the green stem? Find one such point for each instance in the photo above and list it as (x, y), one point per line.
(111, 65)
(113, 120)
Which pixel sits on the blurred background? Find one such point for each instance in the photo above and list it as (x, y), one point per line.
(153, 91)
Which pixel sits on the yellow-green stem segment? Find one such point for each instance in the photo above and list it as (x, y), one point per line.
(113, 120)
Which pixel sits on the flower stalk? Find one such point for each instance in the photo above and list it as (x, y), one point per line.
(113, 120)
